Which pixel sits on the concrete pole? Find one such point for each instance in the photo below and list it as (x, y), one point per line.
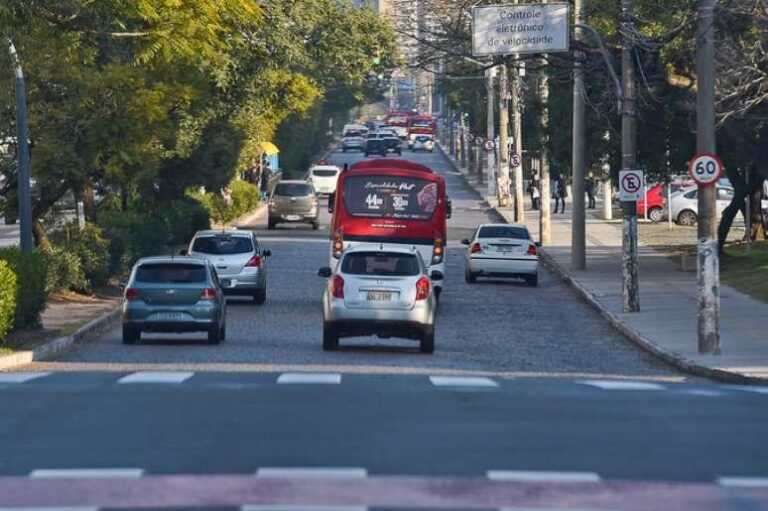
(22, 144)
(708, 259)
(517, 110)
(578, 219)
(630, 290)
(545, 229)
(490, 134)
(607, 199)
(462, 141)
(503, 166)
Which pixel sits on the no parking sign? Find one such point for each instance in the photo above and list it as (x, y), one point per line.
(630, 185)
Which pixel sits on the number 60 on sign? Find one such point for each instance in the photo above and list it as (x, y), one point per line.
(705, 168)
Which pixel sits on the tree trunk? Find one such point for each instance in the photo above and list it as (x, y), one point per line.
(757, 222)
(41, 236)
(89, 202)
(729, 214)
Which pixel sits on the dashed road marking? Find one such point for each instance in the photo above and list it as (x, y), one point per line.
(21, 377)
(702, 392)
(314, 472)
(543, 476)
(157, 377)
(622, 385)
(310, 378)
(748, 388)
(462, 381)
(290, 507)
(743, 482)
(87, 473)
(50, 508)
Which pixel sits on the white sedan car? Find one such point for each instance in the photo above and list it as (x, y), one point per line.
(386, 292)
(502, 250)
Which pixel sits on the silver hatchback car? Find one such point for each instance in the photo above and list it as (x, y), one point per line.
(387, 293)
(235, 254)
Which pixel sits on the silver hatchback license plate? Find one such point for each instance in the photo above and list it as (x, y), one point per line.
(379, 296)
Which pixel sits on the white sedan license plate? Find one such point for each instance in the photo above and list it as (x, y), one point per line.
(293, 217)
(379, 296)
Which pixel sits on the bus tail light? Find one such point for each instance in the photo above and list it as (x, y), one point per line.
(338, 243)
(438, 251)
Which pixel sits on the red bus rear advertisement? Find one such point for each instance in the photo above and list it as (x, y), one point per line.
(391, 202)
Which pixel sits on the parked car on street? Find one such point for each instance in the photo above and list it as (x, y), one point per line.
(353, 141)
(656, 198)
(293, 201)
(502, 250)
(323, 178)
(240, 264)
(423, 143)
(376, 146)
(685, 204)
(173, 294)
(387, 293)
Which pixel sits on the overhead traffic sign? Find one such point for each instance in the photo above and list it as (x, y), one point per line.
(521, 28)
(705, 168)
(630, 185)
(515, 160)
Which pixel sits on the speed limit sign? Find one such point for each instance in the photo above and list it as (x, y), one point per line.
(705, 168)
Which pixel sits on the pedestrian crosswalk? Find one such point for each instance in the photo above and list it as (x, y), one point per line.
(439, 382)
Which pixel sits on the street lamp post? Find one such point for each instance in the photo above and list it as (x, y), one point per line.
(22, 144)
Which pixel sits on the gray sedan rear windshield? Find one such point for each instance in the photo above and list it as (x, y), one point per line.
(380, 263)
(222, 245)
(293, 190)
(504, 231)
(170, 273)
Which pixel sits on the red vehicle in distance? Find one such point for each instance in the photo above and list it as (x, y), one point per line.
(420, 125)
(398, 121)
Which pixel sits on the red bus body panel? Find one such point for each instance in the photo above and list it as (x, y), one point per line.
(419, 130)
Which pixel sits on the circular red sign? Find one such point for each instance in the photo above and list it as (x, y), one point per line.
(705, 168)
(631, 183)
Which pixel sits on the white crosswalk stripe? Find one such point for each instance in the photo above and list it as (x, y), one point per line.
(87, 473)
(462, 381)
(622, 385)
(21, 377)
(293, 507)
(157, 377)
(314, 472)
(531, 476)
(743, 482)
(310, 378)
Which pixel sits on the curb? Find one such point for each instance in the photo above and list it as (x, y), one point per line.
(671, 358)
(56, 347)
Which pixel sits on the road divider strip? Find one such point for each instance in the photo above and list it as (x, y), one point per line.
(543, 476)
(310, 378)
(156, 377)
(313, 472)
(87, 473)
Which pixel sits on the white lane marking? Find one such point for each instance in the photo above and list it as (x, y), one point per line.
(66, 508)
(551, 509)
(702, 392)
(748, 388)
(536, 476)
(314, 472)
(310, 378)
(743, 482)
(157, 377)
(621, 385)
(462, 381)
(21, 377)
(89, 473)
(292, 507)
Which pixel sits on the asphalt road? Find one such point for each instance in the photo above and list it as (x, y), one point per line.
(551, 409)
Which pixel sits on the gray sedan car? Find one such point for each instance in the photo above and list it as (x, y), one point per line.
(387, 293)
(293, 202)
(167, 294)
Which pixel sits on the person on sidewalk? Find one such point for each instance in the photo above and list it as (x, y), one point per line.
(534, 189)
(589, 187)
(561, 192)
(266, 173)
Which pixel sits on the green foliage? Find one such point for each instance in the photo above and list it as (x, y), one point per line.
(65, 272)
(90, 248)
(7, 298)
(235, 201)
(31, 272)
(184, 217)
(133, 234)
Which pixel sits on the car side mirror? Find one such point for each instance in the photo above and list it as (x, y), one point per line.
(465, 241)
(266, 252)
(436, 275)
(538, 244)
(325, 271)
(183, 252)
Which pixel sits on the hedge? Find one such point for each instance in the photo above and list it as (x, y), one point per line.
(244, 197)
(7, 298)
(31, 276)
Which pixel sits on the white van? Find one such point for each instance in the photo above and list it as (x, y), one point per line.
(358, 128)
(323, 178)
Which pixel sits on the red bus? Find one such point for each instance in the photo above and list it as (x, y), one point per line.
(398, 121)
(391, 202)
(420, 125)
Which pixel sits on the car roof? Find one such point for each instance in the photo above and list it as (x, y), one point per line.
(503, 225)
(387, 249)
(224, 232)
(171, 259)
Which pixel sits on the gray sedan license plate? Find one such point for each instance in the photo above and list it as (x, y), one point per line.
(170, 316)
(379, 296)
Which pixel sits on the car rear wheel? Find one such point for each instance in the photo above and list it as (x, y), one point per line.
(131, 335)
(532, 280)
(270, 225)
(260, 296)
(687, 218)
(469, 277)
(655, 214)
(427, 342)
(330, 337)
(316, 225)
(214, 334)
(344, 150)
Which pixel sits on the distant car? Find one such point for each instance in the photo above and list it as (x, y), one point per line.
(386, 293)
(423, 143)
(656, 199)
(376, 146)
(241, 265)
(685, 204)
(293, 202)
(394, 144)
(502, 250)
(353, 142)
(323, 178)
(167, 294)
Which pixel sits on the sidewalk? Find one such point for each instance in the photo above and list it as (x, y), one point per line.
(667, 323)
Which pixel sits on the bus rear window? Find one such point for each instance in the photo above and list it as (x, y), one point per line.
(421, 124)
(390, 197)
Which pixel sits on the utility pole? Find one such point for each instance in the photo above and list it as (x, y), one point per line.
(578, 219)
(490, 155)
(545, 231)
(708, 259)
(503, 166)
(630, 291)
(22, 145)
(517, 109)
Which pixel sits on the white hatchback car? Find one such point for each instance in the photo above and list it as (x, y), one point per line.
(502, 250)
(386, 292)
(323, 178)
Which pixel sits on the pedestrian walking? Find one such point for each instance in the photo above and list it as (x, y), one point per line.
(264, 180)
(589, 187)
(561, 192)
(534, 189)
